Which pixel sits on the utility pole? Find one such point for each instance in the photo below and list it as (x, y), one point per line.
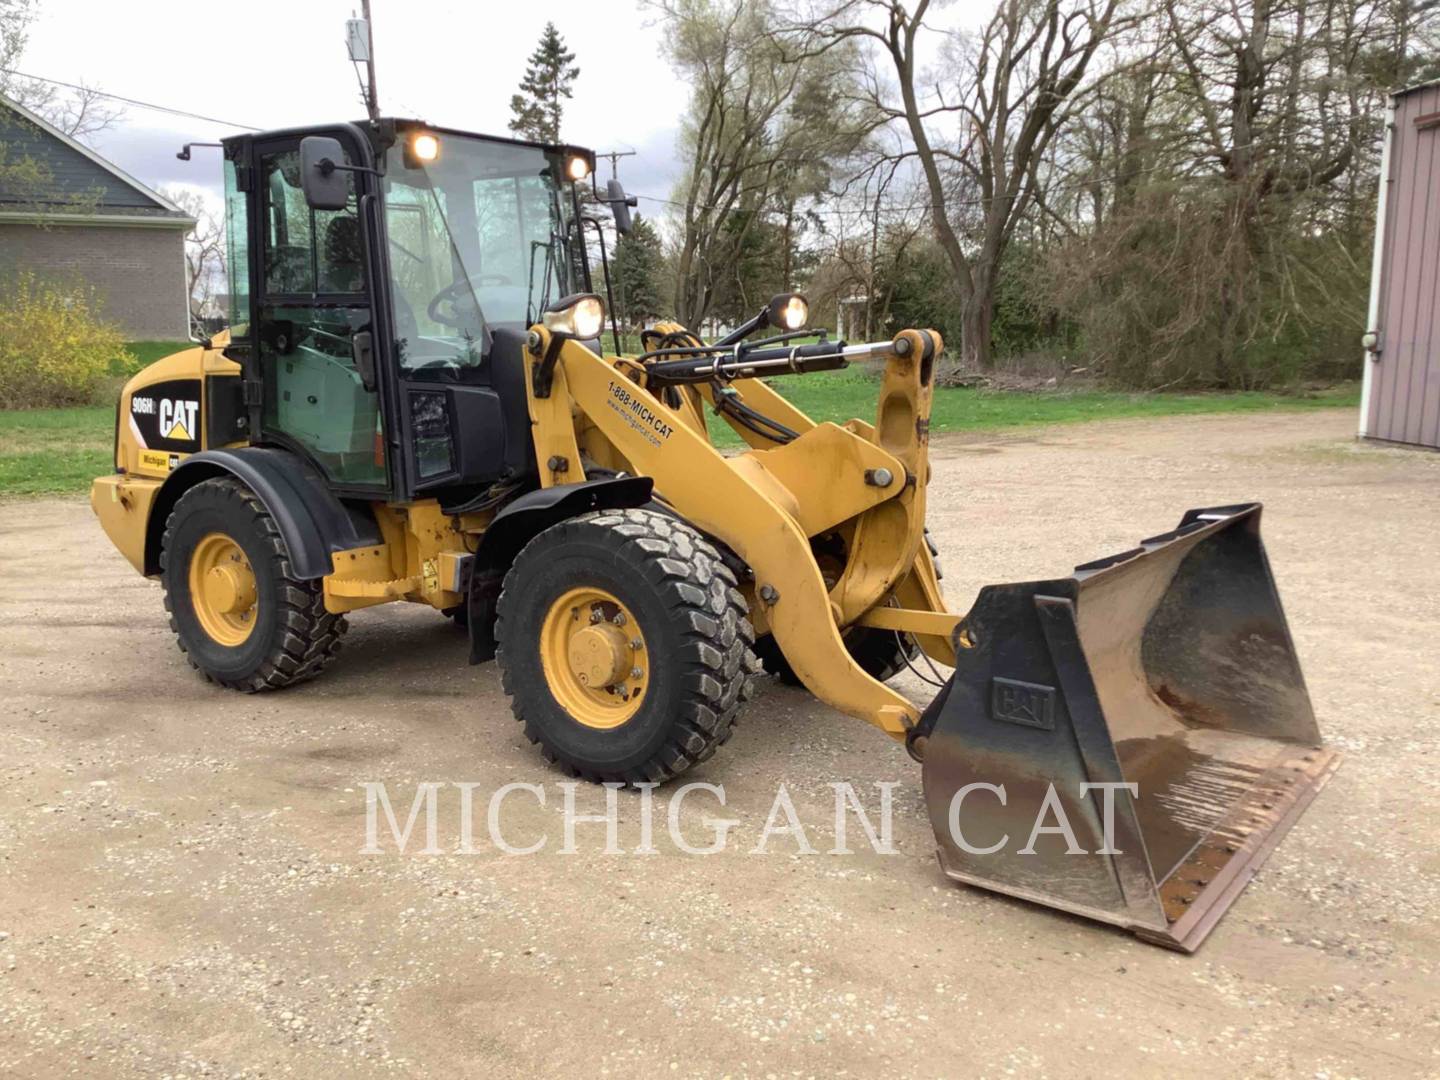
(372, 99)
(615, 156)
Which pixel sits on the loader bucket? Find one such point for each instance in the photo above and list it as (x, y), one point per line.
(1168, 668)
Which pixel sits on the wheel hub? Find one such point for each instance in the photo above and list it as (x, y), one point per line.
(593, 654)
(599, 655)
(223, 590)
(229, 589)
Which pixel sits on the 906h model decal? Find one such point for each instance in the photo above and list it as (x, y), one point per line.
(166, 416)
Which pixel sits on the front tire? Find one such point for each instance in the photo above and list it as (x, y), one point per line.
(239, 615)
(624, 645)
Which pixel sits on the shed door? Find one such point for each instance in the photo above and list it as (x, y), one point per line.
(1404, 403)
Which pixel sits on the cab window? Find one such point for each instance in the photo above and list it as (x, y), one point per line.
(314, 303)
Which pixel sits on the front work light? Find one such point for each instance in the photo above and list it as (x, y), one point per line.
(576, 167)
(789, 311)
(581, 316)
(425, 146)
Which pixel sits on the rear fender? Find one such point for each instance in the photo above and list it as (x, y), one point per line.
(313, 522)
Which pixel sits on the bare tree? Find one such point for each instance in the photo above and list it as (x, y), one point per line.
(762, 131)
(81, 112)
(15, 19)
(77, 112)
(1017, 82)
(204, 248)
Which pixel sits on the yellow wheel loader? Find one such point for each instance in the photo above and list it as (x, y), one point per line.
(413, 403)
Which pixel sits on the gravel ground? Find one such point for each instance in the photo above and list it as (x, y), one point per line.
(182, 890)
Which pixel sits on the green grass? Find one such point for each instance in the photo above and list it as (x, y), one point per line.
(144, 353)
(59, 451)
(839, 395)
(55, 451)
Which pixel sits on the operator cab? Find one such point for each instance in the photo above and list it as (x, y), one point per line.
(382, 278)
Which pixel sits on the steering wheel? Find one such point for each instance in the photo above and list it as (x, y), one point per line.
(445, 365)
(457, 294)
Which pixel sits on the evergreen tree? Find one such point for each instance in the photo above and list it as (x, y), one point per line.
(638, 269)
(539, 105)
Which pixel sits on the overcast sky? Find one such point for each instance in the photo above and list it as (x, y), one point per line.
(283, 63)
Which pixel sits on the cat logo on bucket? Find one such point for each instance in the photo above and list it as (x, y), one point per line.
(166, 416)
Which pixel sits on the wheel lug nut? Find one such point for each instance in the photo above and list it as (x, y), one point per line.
(635, 673)
(619, 619)
(636, 644)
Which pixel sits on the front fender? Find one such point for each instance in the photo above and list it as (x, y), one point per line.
(313, 522)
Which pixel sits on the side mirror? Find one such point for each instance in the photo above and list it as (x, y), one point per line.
(322, 173)
(620, 204)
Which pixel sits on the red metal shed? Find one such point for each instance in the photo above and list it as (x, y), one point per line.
(1401, 399)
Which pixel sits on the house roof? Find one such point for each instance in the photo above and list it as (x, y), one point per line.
(1417, 86)
(76, 174)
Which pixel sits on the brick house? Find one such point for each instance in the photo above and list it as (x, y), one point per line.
(66, 211)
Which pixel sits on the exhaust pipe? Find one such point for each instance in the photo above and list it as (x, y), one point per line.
(1128, 743)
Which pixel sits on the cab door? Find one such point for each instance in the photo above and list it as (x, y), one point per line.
(312, 297)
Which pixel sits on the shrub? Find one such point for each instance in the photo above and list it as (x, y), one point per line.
(54, 350)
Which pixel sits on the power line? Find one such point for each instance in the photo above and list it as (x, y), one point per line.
(129, 101)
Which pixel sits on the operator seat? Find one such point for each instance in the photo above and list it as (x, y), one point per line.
(341, 268)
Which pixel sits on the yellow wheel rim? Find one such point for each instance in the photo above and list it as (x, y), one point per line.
(593, 653)
(222, 590)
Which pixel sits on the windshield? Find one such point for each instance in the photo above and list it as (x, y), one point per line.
(479, 237)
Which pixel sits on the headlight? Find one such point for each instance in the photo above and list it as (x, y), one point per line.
(580, 317)
(577, 168)
(789, 311)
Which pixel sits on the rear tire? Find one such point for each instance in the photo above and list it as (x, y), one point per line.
(881, 654)
(285, 636)
(666, 586)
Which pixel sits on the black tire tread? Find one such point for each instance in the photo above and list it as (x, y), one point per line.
(720, 668)
(311, 636)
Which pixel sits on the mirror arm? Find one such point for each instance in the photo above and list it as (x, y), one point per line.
(325, 167)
